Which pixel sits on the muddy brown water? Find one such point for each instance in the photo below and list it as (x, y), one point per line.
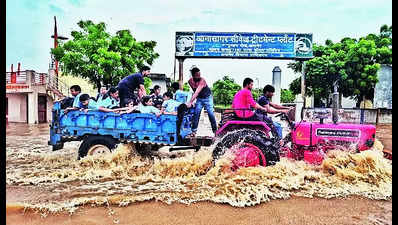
(45, 187)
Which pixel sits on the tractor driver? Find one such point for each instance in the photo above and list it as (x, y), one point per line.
(272, 108)
(243, 102)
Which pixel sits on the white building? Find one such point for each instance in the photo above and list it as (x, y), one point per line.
(30, 96)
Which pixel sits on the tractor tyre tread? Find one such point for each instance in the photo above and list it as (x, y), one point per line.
(94, 140)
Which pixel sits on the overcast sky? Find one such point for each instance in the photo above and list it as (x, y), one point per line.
(29, 26)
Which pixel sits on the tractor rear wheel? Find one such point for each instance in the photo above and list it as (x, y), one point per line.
(93, 145)
(247, 136)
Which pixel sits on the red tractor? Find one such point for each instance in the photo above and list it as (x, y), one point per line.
(254, 143)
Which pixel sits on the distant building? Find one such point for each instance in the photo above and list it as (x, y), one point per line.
(383, 90)
(30, 96)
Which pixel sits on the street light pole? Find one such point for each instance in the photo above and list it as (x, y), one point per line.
(276, 82)
(335, 103)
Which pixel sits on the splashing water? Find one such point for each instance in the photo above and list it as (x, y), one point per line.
(124, 177)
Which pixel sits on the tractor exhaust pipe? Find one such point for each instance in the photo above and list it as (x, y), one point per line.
(335, 102)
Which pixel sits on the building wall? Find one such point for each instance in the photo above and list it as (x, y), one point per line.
(50, 103)
(17, 108)
(23, 98)
(348, 103)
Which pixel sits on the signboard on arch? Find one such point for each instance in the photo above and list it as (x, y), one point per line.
(243, 45)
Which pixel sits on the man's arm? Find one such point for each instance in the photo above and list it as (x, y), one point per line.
(202, 84)
(258, 106)
(103, 109)
(70, 109)
(141, 91)
(121, 109)
(274, 111)
(276, 106)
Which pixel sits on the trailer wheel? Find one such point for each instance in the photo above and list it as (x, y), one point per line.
(93, 145)
(254, 137)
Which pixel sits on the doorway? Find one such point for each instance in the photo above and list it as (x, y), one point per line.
(42, 109)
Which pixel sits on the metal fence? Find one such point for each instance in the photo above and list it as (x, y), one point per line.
(55, 83)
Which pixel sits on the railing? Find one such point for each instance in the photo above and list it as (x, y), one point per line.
(52, 82)
(39, 78)
(16, 77)
(348, 115)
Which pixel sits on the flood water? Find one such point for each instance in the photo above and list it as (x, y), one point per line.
(48, 181)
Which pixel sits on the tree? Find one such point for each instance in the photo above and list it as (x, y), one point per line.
(287, 96)
(147, 84)
(224, 90)
(256, 93)
(186, 87)
(352, 63)
(104, 59)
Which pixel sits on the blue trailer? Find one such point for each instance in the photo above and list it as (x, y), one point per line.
(101, 131)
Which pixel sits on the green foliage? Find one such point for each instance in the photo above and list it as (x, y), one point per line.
(295, 86)
(224, 90)
(186, 87)
(352, 63)
(147, 84)
(287, 96)
(96, 55)
(256, 92)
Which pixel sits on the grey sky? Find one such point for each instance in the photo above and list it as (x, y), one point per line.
(29, 25)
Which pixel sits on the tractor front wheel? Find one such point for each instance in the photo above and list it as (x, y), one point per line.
(245, 142)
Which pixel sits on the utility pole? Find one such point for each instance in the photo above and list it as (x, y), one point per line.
(335, 102)
(56, 37)
(303, 83)
(181, 72)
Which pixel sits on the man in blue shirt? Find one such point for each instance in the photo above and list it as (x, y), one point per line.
(265, 102)
(129, 84)
(75, 91)
(68, 101)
